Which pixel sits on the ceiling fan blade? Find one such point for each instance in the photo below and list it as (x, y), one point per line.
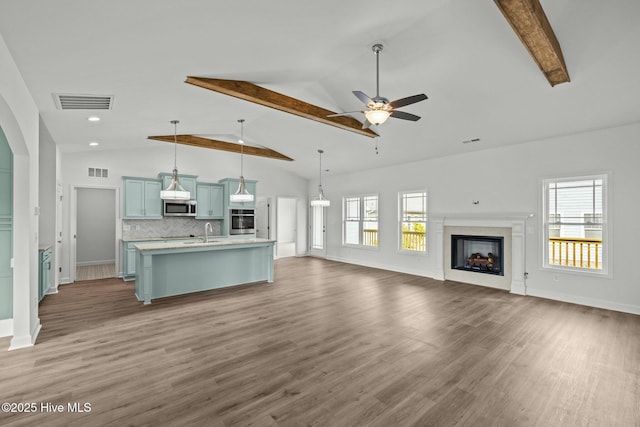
(362, 97)
(346, 113)
(404, 116)
(407, 101)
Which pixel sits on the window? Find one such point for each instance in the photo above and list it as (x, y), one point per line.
(360, 215)
(413, 221)
(575, 223)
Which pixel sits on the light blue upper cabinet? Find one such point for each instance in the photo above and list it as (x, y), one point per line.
(231, 185)
(152, 200)
(142, 198)
(210, 199)
(188, 182)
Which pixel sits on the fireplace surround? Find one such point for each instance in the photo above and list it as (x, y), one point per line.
(511, 227)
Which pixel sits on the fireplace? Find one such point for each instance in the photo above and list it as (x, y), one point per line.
(478, 254)
(510, 227)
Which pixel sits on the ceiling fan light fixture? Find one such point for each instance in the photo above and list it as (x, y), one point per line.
(377, 117)
(379, 109)
(175, 191)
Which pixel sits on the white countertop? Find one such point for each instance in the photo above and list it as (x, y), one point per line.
(152, 239)
(199, 244)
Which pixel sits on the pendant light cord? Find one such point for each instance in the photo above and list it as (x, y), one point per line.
(175, 143)
(320, 170)
(241, 147)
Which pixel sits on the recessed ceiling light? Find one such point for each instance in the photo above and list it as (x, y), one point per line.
(94, 119)
(94, 144)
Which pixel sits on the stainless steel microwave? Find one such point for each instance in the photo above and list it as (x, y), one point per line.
(179, 208)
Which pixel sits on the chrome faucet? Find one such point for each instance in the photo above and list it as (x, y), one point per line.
(207, 228)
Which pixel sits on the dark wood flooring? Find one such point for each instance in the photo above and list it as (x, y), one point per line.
(327, 344)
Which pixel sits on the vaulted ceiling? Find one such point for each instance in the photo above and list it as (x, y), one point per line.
(481, 81)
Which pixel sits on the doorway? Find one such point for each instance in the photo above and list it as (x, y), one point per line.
(286, 227)
(263, 217)
(318, 232)
(95, 233)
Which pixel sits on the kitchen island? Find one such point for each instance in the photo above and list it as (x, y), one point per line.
(175, 268)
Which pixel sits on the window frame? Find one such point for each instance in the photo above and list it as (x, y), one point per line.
(361, 219)
(401, 221)
(606, 227)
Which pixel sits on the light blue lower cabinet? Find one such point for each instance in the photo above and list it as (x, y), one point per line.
(175, 269)
(129, 259)
(44, 273)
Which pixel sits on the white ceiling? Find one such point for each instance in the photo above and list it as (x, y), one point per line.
(480, 80)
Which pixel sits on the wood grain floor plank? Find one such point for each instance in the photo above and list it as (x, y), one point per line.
(327, 344)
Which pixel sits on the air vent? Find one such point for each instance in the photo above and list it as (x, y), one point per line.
(99, 173)
(83, 102)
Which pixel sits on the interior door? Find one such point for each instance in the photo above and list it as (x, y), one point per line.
(58, 252)
(286, 227)
(318, 232)
(263, 218)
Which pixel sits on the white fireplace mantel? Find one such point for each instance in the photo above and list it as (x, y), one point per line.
(515, 221)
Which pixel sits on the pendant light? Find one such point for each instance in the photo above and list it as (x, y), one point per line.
(175, 191)
(241, 194)
(321, 200)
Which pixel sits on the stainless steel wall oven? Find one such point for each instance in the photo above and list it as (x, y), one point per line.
(242, 221)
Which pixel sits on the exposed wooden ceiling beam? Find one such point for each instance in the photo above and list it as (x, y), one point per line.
(530, 23)
(198, 141)
(259, 95)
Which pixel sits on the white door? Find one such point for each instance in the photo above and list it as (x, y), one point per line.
(58, 252)
(286, 230)
(318, 232)
(263, 218)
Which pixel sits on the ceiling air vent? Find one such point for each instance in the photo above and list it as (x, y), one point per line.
(83, 102)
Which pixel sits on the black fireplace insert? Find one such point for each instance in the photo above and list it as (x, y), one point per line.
(478, 254)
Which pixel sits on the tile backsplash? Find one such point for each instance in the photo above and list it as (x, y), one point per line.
(168, 227)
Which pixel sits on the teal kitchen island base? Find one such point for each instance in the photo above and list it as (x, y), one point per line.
(166, 269)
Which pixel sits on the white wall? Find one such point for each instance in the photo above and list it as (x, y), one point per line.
(507, 180)
(19, 121)
(208, 165)
(47, 188)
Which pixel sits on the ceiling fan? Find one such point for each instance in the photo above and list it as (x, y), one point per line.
(379, 108)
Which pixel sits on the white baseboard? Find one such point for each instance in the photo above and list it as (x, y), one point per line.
(6, 327)
(580, 300)
(26, 340)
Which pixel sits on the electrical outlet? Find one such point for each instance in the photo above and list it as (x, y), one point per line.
(556, 278)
